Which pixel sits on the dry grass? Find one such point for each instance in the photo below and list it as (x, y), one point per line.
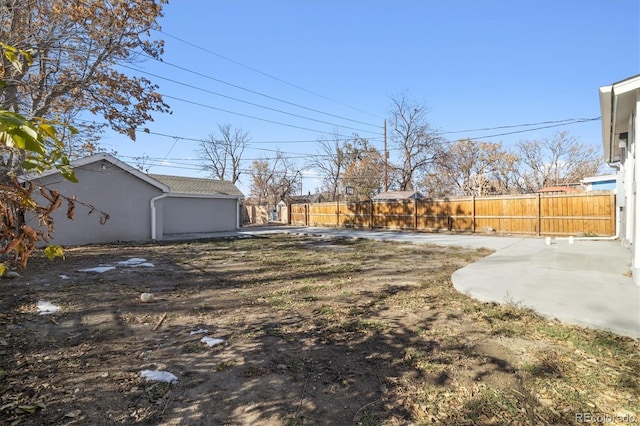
(376, 324)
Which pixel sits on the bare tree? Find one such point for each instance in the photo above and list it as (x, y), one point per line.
(330, 164)
(412, 137)
(467, 167)
(80, 50)
(556, 161)
(504, 177)
(262, 176)
(222, 154)
(274, 179)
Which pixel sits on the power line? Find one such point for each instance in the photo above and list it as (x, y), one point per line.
(252, 91)
(267, 75)
(568, 121)
(252, 142)
(243, 101)
(244, 115)
(577, 121)
(560, 123)
(301, 155)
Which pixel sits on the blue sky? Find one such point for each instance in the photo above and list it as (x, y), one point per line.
(331, 66)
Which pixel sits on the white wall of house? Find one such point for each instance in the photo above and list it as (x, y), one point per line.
(619, 104)
(628, 196)
(634, 137)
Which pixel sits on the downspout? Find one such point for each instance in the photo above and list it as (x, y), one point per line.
(237, 213)
(618, 167)
(152, 205)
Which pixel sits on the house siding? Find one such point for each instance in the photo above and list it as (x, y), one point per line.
(110, 189)
(619, 104)
(634, 137)
(603, 186)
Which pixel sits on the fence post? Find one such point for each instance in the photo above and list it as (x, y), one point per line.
(415, 214)
(473, 214)
(370, 214)
(614, 212)
(338, 213)
(539, 213)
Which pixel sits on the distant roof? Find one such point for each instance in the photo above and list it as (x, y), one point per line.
(558, 189)
(190, 185)
(398, 195)
(593, 179)
(309, 198)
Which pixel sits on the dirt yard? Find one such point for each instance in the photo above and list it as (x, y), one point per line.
(312, 331)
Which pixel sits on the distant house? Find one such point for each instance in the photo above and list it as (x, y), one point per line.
(558, 190)
(398, 195)
(600, 183)
(141, 207)
(309, 198)
(620, 111)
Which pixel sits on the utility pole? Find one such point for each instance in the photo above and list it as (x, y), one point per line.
(386, 159)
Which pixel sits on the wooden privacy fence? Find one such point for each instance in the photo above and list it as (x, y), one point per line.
(566, 214)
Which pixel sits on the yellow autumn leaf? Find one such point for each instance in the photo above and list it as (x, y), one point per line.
(54, 251)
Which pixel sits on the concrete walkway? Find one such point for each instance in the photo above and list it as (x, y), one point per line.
(584, 283)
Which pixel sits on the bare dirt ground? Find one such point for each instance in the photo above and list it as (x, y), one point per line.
(315, 331)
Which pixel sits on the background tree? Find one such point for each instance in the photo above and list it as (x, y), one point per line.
(555, 161)
(505, 177)
(413, 139)
(329, 162)
(273, 180)
(262, 176)
(364, 169)
(79, 51)
(466, 168)
(222, 153)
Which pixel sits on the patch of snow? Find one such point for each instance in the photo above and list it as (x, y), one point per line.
(46, 308)
(199, 331)
(145, 264)
(158, 376)
(64, 277)
(98, 269)
(132, 261)
(211, 341)
(135, 261)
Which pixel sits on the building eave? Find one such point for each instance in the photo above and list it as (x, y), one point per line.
(616, 103)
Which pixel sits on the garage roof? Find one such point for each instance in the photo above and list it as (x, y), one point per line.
(190, 185)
